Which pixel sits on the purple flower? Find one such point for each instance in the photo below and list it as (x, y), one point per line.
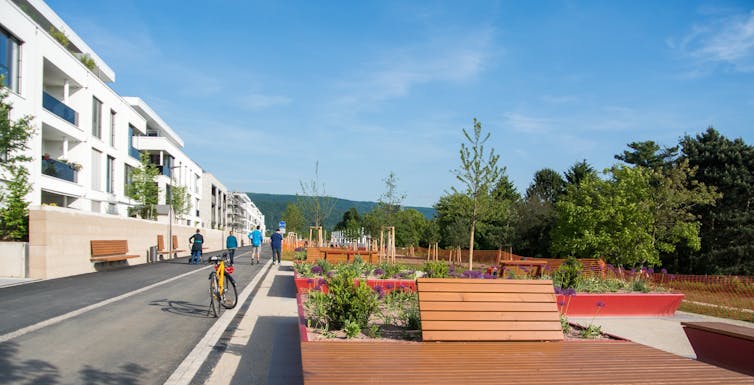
(487, 276)
(380, 291)
(600, 304)
(664, 271)
(330, 274)
(651, 270)
(317, 270)
(309, 281)
(558, 290)
(389, 286)
(378, 272)
(570, 291)
(561, 303)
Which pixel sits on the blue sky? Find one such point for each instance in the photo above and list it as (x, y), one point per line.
(260, 91)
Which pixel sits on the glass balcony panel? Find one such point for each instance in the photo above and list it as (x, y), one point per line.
(59, 108)
(58, 169)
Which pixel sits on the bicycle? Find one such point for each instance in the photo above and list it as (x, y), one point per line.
(222, 286)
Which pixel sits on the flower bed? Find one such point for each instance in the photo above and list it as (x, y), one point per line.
(303, 284)
(619, 304)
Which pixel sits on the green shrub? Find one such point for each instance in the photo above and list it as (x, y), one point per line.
(569, 274)
(435, 269)
(349, 301)
(351, 328)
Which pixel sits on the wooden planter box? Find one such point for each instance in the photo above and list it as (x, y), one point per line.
(721, 344)
(619, 304)
(303, 285)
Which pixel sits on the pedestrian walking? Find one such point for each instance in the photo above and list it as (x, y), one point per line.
(255, 237)
(231, 243)
(196, 240)
(276, 242)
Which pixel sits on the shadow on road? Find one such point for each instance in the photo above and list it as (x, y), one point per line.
(283, 286)
(183, 308)
(16, 371)
(129, 374)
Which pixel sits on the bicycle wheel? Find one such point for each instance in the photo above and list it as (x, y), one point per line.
(214, 302)
(230, 295)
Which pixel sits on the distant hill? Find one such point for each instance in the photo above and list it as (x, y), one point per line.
(273, 205)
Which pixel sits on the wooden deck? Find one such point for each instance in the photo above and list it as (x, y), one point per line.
(521, 363)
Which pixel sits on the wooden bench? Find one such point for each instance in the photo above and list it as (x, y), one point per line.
(722, 344)
(592, 266)
(534, 267)
(488, 310)
(110, 250)
(176, 249)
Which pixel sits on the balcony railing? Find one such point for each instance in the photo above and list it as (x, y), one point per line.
(59, 108)
(58, 169)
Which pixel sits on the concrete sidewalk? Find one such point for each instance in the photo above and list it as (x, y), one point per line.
(263, 347)
(664, 333)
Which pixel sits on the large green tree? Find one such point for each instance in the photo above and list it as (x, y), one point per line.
(410, 226)
(451, 221)
(610, 219)
(14, 142)
(352, 225)
(727, 227)
(478, 173)
(536, 214)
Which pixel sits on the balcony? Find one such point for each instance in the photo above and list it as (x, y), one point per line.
(58, 169)
(50, 103)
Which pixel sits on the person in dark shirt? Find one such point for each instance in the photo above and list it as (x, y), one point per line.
(276, 241)
(197, 240)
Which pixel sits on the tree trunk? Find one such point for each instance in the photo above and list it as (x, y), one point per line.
(471, 245)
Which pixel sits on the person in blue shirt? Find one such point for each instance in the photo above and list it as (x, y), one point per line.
(255, 237)
(276, 242)
(231, 243)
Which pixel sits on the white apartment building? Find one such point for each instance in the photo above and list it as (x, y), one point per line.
(82, 148)
(213, 208)
(243, 214)
(164, 147)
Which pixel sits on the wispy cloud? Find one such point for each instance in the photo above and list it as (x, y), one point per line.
(395, 72)
(261, 101)
(728, 40)
(528, 124)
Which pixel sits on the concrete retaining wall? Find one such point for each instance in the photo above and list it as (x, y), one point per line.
(59, 240)
(13, 259)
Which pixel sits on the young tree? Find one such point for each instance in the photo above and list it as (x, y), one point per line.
(143, 188)
(179, 200)
(14, 139)
(293, 218)
(351, 225)
(390, 201)
(314, 203)
(478, 173)
(409, 227)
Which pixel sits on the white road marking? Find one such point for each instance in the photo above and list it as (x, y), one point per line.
(191, 364)
(78, 312)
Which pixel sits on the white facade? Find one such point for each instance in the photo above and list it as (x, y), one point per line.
(165, 149)
(243, 214)
(214, 204)
(82, 146)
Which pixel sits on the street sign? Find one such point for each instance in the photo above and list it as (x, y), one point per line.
(281, 224)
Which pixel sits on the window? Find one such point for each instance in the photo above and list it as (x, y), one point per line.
(127, 178)
(112, 128)
(96, 118)
(110, 177)
(131, 150)
(9, 59)
(96, 170)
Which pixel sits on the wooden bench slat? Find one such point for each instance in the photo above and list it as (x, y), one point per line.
(473, 325)
(176, 249)
(490, 306)
(486, 297)
(487, 288)
(508, 335)
(113, 258)
(490, 316)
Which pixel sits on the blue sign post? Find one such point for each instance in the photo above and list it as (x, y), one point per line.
(281, 225)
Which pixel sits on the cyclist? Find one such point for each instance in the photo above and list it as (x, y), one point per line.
(196, 240)
(255, 237)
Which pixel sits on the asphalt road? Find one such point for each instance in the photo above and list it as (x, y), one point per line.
(131, 325)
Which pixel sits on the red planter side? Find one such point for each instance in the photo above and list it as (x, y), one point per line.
(303, 285)
(721, 350)
(619, 304)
